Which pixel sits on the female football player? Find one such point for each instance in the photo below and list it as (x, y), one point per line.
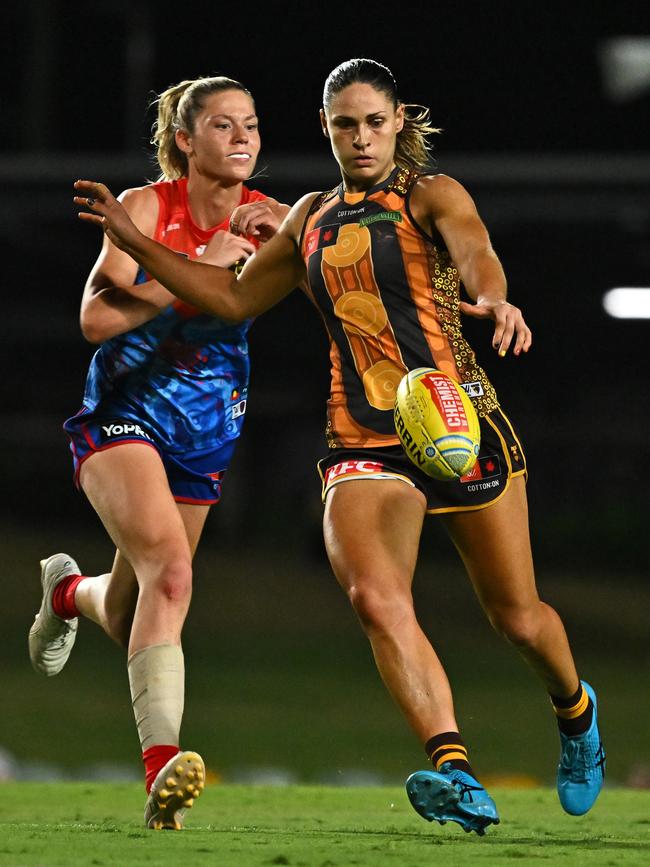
(384, 254)
(163, 407)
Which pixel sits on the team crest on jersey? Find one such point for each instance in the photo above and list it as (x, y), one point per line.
(324, 236)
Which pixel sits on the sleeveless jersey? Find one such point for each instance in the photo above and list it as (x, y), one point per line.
(388, 294)
(183, 374)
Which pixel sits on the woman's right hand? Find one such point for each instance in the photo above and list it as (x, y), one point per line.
(224, 249)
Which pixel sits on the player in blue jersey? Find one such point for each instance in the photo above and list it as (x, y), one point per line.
(162, 410)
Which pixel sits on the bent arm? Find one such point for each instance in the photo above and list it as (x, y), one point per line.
(443, 204)
(267, 277)
(112, 303)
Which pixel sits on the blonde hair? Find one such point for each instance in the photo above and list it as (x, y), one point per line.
(412, 149)
(178, 107)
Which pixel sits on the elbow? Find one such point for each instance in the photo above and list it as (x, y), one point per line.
(92, 330)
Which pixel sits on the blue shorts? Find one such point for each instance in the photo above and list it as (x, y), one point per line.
(194, 477)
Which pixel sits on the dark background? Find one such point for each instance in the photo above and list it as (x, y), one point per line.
(559, 167)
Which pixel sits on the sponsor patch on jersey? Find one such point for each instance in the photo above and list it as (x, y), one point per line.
(472, 389)
(351, 212)
(391, 216)
(484, 468)
(123, 428)
(238, 409)
(324, 236)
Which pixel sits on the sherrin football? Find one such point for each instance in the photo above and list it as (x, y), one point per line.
(437, 424)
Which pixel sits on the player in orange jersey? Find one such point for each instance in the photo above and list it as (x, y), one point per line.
(384, 254)
(163, 407)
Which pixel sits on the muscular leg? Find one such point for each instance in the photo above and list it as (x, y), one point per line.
(110, 599)
(372, 532)
(128, 488)
(494, 545)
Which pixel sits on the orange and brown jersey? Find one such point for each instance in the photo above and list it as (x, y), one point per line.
(389, 295)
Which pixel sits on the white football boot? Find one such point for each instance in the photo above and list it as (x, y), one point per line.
(177, 785)
(51, 638)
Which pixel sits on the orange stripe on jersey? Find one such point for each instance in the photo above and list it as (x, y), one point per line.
(418, 264)
(349, 278)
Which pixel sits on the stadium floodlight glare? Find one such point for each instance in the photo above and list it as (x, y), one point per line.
(628, 302)
(625, 67)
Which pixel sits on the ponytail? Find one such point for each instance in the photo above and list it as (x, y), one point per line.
(413, 149)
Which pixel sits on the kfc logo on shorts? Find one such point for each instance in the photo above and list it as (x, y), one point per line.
(124, 429)
(352, 468)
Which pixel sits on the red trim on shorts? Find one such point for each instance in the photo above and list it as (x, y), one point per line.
(192, 502)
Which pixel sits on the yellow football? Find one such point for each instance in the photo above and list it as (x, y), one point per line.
(437, 424)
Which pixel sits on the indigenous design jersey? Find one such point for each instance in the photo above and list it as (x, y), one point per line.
(389, 296)
(184, 374)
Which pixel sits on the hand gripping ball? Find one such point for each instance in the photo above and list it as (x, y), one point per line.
(437, 424)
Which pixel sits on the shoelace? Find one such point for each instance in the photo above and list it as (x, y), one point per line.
(576, 760)
(466, 789)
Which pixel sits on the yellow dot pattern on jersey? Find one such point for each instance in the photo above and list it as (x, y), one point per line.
(446, 296)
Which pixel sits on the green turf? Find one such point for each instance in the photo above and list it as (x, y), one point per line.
(279, 675)
(87, 824)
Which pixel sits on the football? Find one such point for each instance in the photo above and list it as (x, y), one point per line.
(437, 424)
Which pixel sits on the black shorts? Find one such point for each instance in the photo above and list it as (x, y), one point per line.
(500, 459)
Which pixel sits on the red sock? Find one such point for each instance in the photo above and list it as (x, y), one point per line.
(63, 603)
(154, 759)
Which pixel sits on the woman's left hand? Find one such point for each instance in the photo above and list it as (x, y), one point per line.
(109, 214)
(509, 323)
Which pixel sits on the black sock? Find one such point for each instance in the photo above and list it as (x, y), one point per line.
(574, 714)
(448, 748)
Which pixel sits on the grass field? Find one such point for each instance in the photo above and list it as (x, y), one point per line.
(280, 677)
(47, 825)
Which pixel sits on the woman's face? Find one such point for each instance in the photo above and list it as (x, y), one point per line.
(362, 126)
(225, 142)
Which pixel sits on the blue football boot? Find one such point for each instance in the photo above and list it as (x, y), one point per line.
(450, 795)
(581, 771)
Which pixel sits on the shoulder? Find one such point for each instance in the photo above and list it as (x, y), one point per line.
(143, 205)
(440, 194)
(299, 212)
(439, 187)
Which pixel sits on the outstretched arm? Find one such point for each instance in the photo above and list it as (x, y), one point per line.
(443, 203)
(270, 275)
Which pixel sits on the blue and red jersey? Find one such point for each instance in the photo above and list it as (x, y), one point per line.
(184, 374)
